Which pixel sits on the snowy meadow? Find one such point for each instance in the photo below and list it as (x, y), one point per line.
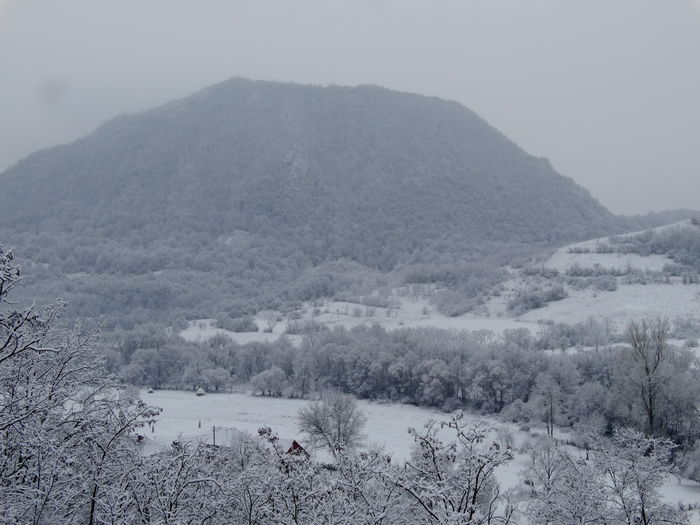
(189, 417)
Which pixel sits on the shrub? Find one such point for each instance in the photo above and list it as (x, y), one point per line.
(240, 324)
(535, 298)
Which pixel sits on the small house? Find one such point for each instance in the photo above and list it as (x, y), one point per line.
(296, 449)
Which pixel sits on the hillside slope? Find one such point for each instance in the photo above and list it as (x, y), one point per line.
(618, 278)
(251, 184)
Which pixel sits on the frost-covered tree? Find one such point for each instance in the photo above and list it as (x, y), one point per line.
(335, 422)
(647, 370)
(66, 427)
(634, 466)
(454, 481)
(270, 382)
(563, 490)
(547, 400)
(618, 485)
(176, 486)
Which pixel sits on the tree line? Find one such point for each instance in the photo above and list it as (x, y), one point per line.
(632, 380)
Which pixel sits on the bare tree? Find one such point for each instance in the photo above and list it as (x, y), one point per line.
(334, 422)
(455, 481)
(563, 489)
(647, 359)
(547, 400)
(634, 466)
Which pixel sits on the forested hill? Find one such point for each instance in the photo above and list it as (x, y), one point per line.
(270, 179)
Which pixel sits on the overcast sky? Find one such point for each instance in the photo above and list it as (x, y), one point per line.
(608, 90)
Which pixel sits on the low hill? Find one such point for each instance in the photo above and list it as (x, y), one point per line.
(265, 192)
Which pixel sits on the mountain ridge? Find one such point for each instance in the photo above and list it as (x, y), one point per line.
(310, 174)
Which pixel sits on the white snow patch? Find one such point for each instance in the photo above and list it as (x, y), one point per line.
(186, 416)
(406, 313)
(201, 330)
(562, 260)
(628, 302)
(387, 424)
(410, 315)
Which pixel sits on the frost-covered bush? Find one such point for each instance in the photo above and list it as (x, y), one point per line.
(605, 283)
(533, 298)
(604, 248)
(676, 270)
(636, 276)
(686, 327)
(617, 483)
(578, 250)
(269, 382)
(453, 303)
(300, 327)
(690, 463)
(540, 271)
(680, 243)
(451, 404)
(516, 412)
(240, 324)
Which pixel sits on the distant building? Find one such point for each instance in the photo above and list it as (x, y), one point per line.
(296, 449)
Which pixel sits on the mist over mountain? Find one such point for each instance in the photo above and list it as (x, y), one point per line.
(278, 191)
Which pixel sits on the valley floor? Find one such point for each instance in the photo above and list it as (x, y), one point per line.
(191, 417)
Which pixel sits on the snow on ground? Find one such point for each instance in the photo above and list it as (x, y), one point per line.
(387, 426)
(201, 330)
(406, 313)
(566, 256)
(387, 423)
(562, 260)
(413, 310)
(497, 306)
(629, 301)
(410, 313)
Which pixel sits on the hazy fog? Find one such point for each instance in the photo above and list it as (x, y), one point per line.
(609, 91)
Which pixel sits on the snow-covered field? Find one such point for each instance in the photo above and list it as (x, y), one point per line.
(201, 330)
(408, 313)
(630, 301)
(566, 256)
(563, 259)
(387, 425)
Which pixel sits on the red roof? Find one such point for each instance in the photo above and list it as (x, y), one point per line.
(296, 448)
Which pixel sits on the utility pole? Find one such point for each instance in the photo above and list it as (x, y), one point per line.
(213, 431)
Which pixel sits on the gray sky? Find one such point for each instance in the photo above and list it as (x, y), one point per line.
(608, 90)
